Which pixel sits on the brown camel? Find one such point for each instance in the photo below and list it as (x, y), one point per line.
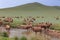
(8, 19)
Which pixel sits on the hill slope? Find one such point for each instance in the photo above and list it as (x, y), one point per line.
(31, 9)
(57, 7)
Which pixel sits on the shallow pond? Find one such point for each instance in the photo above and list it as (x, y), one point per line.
(18, 33)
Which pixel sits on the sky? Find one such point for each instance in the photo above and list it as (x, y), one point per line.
(12, 3)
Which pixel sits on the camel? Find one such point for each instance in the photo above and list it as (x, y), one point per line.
(25, 26)
(8, 19)
(45, 25)
(7, 27)
(37, 29)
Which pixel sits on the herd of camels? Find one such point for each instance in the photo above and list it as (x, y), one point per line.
(28, 24)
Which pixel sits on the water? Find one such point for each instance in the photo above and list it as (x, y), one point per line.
(18, 33)
(54, 38)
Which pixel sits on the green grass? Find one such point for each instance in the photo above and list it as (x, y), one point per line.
(15, 38)
(5, 38)
(55, 27)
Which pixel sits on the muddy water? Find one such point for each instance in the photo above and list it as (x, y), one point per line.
(18, 33)
(53, 38)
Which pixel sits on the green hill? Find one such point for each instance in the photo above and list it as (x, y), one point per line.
(30, 9)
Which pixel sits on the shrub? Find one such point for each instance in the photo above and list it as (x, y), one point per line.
(23, 38)
(5, 34)
(16, 38)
